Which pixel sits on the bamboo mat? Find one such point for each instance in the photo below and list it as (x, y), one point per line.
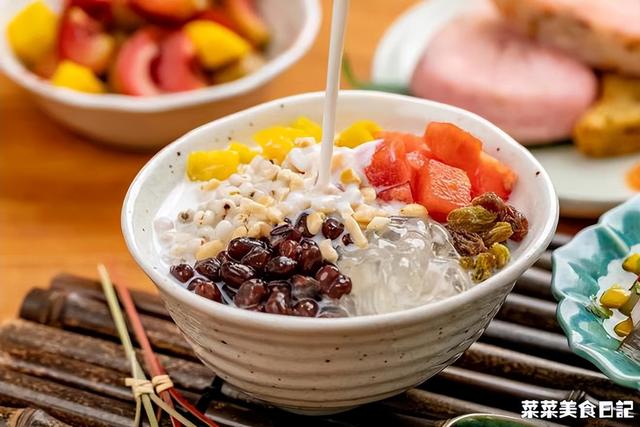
(62, 356)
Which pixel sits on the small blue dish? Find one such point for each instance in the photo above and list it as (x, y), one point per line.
(576, 269)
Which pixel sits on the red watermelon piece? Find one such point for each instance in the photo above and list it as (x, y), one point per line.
(453, 146)
(388, 167)
(492, 175)
(400, 193)
(442, 188)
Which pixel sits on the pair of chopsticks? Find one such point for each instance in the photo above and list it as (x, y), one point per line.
(160, 389)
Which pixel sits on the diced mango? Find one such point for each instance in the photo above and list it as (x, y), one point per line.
(632, 263)
(358, 133)
(74, 76)
(215, 44)
(207, 165)
(614, 297)
(276, 149)
(277, 141)
(32, 32)
(624, 328)
(245, 153)
(309, 127)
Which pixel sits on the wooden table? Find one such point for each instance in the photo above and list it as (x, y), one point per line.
(60, 196)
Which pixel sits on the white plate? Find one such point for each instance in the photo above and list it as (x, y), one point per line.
(586, 187)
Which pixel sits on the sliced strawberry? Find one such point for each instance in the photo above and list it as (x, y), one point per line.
(400, 193)
(132, 70)
(441, 188)
(388, 167)
(84, 41)
(177, 69)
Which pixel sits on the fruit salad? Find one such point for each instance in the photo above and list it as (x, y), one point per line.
(139, 47)
(407, 219)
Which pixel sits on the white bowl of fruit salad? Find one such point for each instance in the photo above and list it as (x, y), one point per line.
(140, 73)
(321, 300)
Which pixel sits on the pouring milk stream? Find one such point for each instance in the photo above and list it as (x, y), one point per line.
(336, 45)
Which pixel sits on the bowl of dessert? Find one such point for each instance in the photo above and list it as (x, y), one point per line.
(318, 298)
(140, 73)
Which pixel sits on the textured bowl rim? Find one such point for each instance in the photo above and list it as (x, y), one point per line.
(265, 320)
(302, 43)
(559, 286)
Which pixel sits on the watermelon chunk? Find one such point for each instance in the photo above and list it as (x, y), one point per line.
(388, 167)
(492, 176)
(400, 193)
(442, 188)
(453, 146)
(411, 141)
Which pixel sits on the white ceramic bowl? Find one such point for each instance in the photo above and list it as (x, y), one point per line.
(147, 122)
(328, 365)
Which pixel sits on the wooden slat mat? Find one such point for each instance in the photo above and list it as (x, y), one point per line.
(63, 357)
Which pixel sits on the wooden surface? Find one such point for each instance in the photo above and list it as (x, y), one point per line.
(60, 196)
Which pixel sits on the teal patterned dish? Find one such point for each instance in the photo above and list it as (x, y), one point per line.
(576, 269)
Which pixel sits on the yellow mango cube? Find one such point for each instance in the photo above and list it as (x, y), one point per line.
(309, 127)
(245, 153)
(32, 32)
(207, 165)
(276, 149)
(215, 44)
(77, 77)
(358, 133)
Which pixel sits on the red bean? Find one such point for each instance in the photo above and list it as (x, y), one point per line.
(326, 275)
(241, 246)
(305, 308)
(301, 225)
(284, 232)
(290, 249)
(257, 258)
(209, 268)
(205, 289)
(332, 228)
(250, 294)
(310, 257)
(235, 274)
(304, 287)
(182, 272)
(281, 266)
(278, 303)
(340, 286)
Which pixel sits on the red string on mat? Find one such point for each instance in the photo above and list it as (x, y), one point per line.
(151, 360)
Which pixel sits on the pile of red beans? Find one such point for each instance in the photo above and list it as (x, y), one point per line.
(282, 274)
